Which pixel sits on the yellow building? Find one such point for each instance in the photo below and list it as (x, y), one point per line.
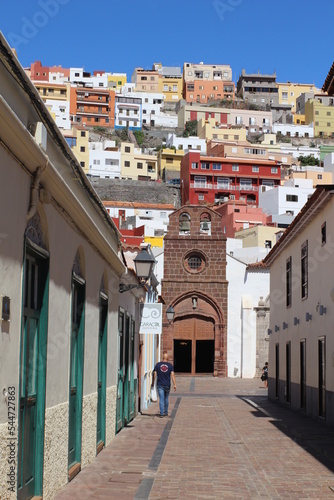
(170, 82)
(171, 88)
(116, 81)
(258, 236)
(209, 130)
(136, 165)
(317, 175)
(169, 163)
(288, 92)
(78, 138)
(154, 241)
(321, 114)
(56, 91)
(298, 119)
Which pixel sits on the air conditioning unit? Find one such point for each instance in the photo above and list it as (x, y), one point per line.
(41, 135)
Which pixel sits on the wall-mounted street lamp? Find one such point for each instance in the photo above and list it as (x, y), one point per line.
(144, 263)
(321, 309)
(170, 313)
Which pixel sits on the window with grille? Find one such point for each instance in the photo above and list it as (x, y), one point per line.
(288, 282)
(304, 270)
(194, 262)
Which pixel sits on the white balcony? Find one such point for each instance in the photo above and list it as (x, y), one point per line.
(246, 187)
(200, 185)
(224, 187)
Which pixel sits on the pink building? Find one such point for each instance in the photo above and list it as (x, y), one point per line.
(238, 215)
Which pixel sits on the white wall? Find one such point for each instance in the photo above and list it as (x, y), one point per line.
(103, 163)
(273, 201)
(187, 143)
(62, 118)
(166, 120)
(320, 291)
(292, 129)
(297, 151)
(99, 81)
(244, 291)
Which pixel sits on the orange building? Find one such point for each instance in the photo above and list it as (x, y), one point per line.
(205, 82)
(92, 106)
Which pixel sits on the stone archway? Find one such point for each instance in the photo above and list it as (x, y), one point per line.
(196, 337)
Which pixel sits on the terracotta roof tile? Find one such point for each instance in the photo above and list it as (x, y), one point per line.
(131, 204)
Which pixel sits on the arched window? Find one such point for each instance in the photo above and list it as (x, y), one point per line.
(205, 223)
(184, 223)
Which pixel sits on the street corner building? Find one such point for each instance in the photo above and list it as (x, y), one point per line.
(60, 271)
(195, 286)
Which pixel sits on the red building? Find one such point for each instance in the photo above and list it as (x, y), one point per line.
(132, 239)
(38, 72)
(219, 177)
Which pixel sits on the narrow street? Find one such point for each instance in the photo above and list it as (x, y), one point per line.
(223, 439)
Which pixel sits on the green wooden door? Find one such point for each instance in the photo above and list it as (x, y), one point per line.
(101, 377)
(76, 371)
(32, 376)
(120, 381)
(132, 395)
(126, 405)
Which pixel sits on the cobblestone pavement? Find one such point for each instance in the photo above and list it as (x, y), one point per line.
(223, 440)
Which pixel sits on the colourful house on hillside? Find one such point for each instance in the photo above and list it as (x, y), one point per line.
(223, 176)
(288, 92)
(205, 82)
(320, 112)
(237, 215)
(93, 107)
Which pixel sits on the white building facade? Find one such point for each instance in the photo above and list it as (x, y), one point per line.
(104, 160)
(98, 80)
(301, 342)
(61, 112)
(155, 218)
(292, 130)
(186, 143)
(248, 311)
(288, 199)
(60, 273)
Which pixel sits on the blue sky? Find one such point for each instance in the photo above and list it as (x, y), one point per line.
(292, 37)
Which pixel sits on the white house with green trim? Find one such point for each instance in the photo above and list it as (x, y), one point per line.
(60, 269)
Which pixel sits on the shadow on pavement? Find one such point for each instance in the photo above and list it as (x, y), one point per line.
(313, 435)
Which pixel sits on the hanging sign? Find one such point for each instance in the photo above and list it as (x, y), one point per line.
(150, 318)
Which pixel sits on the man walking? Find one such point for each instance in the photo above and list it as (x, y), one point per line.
(164, 371)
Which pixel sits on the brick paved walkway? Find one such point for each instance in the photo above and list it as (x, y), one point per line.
(223, 440)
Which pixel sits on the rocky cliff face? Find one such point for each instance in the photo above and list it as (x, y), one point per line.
(137, 191)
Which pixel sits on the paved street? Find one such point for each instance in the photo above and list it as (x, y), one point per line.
(223, 440)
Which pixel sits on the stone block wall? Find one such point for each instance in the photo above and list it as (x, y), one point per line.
(207, 285)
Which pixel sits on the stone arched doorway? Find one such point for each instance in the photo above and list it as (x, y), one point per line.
(194, 345)
(195, 340)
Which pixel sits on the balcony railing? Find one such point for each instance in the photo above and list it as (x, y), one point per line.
(222, 187)
(95, 102)
(201, 185)
(245, 187)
